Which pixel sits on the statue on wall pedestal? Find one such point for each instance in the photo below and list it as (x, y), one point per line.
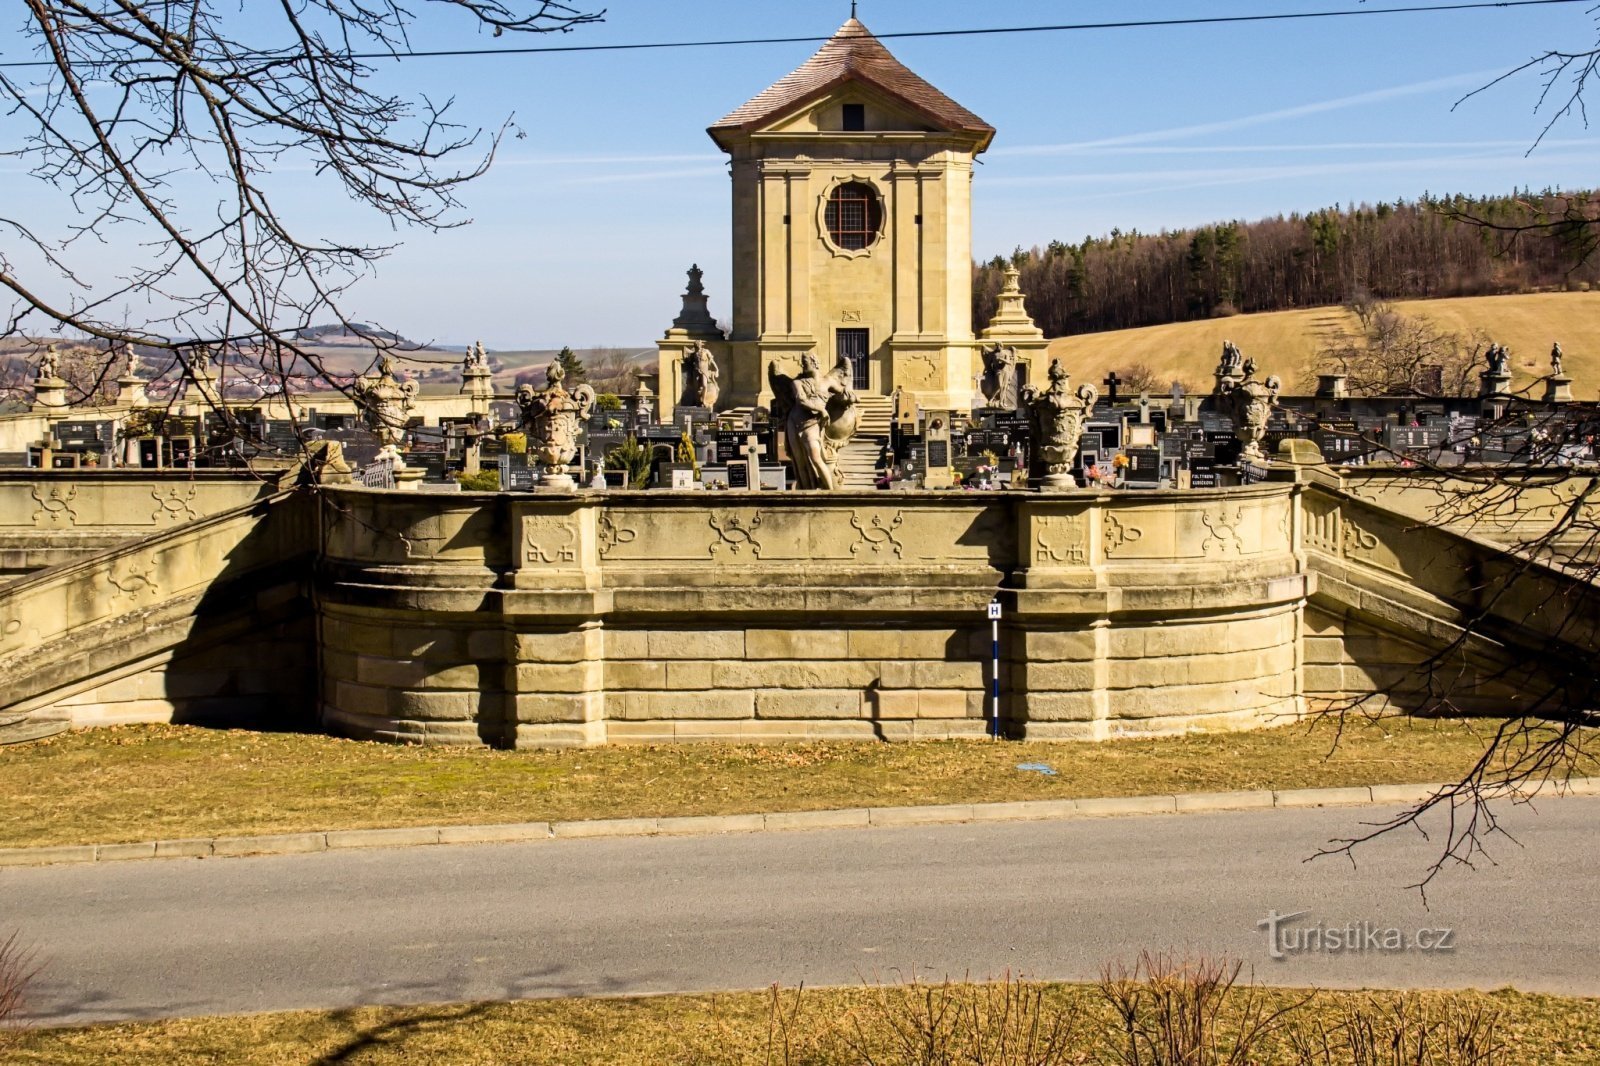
(550, 418)
(385, 403)
(999, 383)
(818, 413)
(700, 377)
(1251, 402)
(49, 365)
(1057, 418)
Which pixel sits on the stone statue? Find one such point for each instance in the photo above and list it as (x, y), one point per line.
(818, 413)
(644, 403)
(700, 377)
(1057, 419)
(1232, 360)
(385, 403)
(477, 358)
(999, 382)
(1555, 360)
(1499, 359)
(200, 362)
(49, 365)
(550, 418)
(1251, 403)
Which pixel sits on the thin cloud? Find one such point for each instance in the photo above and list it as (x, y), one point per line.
(1214, 178)
(1330, 146)
(1263, 118)
(601, 160)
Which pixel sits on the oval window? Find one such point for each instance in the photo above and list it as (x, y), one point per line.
(854, 215)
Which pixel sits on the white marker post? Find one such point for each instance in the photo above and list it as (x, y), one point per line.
(994, 665)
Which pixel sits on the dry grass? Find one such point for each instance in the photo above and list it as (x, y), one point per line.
(163, 782)
(1286, 342)
(757, 1029)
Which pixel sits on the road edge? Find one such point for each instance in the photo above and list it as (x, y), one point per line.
(777, 821)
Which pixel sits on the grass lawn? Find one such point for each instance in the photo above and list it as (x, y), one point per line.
(831, 1026)
(136, 783)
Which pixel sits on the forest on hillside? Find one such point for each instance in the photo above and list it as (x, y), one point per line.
(1431, 247)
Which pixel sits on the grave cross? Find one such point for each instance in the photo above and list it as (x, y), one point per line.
(1144, 408)
(752, 449)
(1111, 382)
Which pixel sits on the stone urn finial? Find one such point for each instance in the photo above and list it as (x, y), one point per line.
(1057, 418)
(551, 418)
(386, 402)
(1251, 403)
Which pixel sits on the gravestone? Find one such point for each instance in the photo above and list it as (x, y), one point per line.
(937, 469)
(1144, 468)
(752, 450)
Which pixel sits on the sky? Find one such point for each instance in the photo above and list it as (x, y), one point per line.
(582, 230)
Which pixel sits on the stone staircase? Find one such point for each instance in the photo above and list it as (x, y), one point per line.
(858, 460)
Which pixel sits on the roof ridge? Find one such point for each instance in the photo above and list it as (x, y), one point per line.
(852, 53)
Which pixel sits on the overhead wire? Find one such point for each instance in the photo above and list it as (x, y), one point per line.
(1066, 27)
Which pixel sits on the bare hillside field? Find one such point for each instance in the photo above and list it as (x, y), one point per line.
(1286, 342)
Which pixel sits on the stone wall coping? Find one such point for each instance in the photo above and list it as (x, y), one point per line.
(799, 498)
(777, 821)
(119, 474)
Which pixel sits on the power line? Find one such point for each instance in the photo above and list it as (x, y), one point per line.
(1069, 27)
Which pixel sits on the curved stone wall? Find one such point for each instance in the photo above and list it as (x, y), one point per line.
(526, 620)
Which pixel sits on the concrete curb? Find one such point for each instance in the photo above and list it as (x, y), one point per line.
(849, 818)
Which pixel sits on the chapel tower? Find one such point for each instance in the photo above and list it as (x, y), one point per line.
(852, 227)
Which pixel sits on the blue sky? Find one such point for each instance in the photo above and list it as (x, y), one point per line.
(583, 229)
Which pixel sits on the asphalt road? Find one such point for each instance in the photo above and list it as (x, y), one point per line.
(596, 917)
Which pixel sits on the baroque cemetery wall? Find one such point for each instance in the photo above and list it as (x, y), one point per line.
(524, 620)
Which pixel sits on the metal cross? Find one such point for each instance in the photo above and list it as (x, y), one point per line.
(1111, 382)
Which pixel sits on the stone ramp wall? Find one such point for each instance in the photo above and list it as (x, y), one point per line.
(50, 517)
(1394, 600)
(206, 622)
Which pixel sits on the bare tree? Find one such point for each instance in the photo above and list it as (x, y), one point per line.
(166, 128)
(1401, 355)
(1516, 642)
(1140, 377)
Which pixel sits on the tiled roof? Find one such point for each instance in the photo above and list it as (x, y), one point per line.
(854, 54)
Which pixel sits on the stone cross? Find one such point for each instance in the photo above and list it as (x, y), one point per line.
(1111, 382)
(752, 449)
(1144, 408)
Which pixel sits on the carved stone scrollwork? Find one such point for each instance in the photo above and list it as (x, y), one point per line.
(1067, 543)
(877, 536)
(132, 581)
(549, 540)
(1357, 540)
(174, 505)
(1223, 536)
(1119, 535)
(734, 534)
(55, 506)
(612, 535)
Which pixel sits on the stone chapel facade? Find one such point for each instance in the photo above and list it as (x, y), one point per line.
(852, 232)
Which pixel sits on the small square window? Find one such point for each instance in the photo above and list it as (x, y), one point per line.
(855, 118)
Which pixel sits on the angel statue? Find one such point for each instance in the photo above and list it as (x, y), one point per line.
(999, 383)
(701, 386)
(551, 418)
(1056, 419)
(818, 413)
